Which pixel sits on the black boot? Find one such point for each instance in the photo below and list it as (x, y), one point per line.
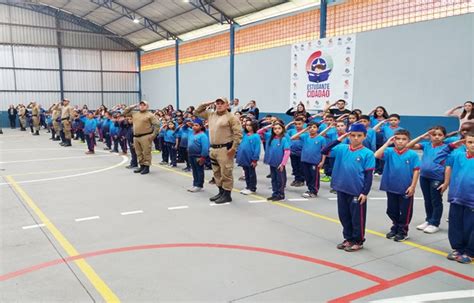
(68, 143)
(221, 192)
(139, 169)
(36, 133)
(145, 170)
(224, 198)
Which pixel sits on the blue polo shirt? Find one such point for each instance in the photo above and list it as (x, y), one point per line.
(297, 144)
(198, 144)
(170, 136)
(312, 147)
(398, 170)
(349, 168)
(90, 126)
(429, 168)
(249, 149)
(462, 180)
(371, 140)
(388, 131)
(275, 149)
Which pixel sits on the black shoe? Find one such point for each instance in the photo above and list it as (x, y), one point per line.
(224, 198)
(214, 198)
(131, 166)
(271, 198)
(280, 198)
(400, 238)
(391, 235)
(36, 133)
(269, 176)
(139, 169)
(145, 170)
(68, 143)
(62, 143)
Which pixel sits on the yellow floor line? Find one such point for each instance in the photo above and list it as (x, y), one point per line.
(323, 217)
(104, 290)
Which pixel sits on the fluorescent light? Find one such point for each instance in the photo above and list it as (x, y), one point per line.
(157, 44)
(136, 20)
(205, 31)
(275, 11)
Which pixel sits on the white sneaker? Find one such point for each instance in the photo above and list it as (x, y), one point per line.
(431, 229)
(246, 192)
(308, 195)
(195, 189)
(422, 226)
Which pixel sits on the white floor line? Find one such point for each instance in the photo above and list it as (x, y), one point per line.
(178, 207)
(214, 204)
(54, 159)
(32, 226)
(87, 218)
(435, 296)
(257, 201)
(133, 212)
(332, 199)
(297, 199)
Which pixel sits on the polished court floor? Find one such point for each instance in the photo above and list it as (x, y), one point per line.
(78, 228)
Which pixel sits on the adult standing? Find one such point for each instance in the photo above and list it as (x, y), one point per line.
(12, 113)
(145, 129)
(299, 110)
(55, 119)
(225, 134)
(67, 113)
(35, 116)
(235, 106)
(337, 108)
(251, 108)
(467, 115)
(22, 117)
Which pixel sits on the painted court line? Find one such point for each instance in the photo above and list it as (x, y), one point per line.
(87, 218)
(214, 204)
(133, 212)
(178, 207)
(435, 296)
(258, 201)
(54, 159)
(107, 294)
(33, 226)
(297, 199)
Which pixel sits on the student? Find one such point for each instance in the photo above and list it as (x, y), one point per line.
(114, 133)
(330, 133)
(123, 126)
(387, 129)
(276, 156)
(431, 176)
(458, 176)
(106, 131)
(90, 126)
(401, 172)
(311, 158)
(198, 151)
(295, 155)
(171, 143)
(161, 140)
(371, 140)
(129, 135)
(183, 135)
(248, 154)
(352, 180)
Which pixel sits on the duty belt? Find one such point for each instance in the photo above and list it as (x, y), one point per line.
(62, 119)
(228, 145)
(141, 135)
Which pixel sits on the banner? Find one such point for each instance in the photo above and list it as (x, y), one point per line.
(322, 70)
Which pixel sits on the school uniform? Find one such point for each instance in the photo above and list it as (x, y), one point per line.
(248, 153)
(90, 126)
(397, 178)
(431, 177)
(461, 199)
(106, 123)
(114, 134)
(133, 153)
(386, 132)
(371, 140)
(351, 177)
(295, 156)
(170, 143)
(310, 158)
(122, 135)
(164, 150)
(274, 153)
(331, 135)
(183, 134)
(198, 148)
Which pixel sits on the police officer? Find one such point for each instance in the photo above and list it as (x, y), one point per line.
(55, 117)
(35, 116)
(22, 116)
(145, 129)
(225, 134)
(67, 113)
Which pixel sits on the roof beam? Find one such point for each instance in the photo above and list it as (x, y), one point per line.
(132, 15)
(211, 10)
(121, 16)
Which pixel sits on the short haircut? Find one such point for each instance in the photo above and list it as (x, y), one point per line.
(299, 119)
(469, 133)
(440, 128)
(403, 132)
(313, 123)
(364, 117)
(394, 116)
(330, 116)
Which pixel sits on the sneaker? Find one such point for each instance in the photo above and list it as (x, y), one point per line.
(89, 152)
(309, 194)
(391, 235)
(453, 255)
(268, 176)
(464, 259)
(354, 247)
(344, 244)
(195, 189)
(333, 191)
(431, 229)
(400, 238)
(247, 192)
(242, 178)
(106, 148)
(422, 226)
(299, 184)
(326, 179)
(187, 169)
(271, 198)
(163, 163)
(278, 198)
(293, 183)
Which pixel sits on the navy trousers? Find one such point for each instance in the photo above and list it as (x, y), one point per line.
(433, 200)
(278, 182)
(90, 139)
(297, 169)
(171, 152)
(198, 171)
(311, 174)
(461, 228)
(352, 215)
(250, 178)
(400, 211)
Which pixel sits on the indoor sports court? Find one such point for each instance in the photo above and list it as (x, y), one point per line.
(121, 121)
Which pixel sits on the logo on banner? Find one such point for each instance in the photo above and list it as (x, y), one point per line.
(319, 67)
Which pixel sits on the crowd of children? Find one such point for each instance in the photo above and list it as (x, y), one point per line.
(345, 148)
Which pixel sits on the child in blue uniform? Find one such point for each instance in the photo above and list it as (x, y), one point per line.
(198, 151)
(277, 154)
(90, 126)
(171, 142)
(431, 176)
(371, 140)
(106, 131)
(248, 154)
(401, 172)
(352, 180)
(387, 129)
(295, 155)
(311, 158)
(114, 133)
(183, 133)
(458, 177)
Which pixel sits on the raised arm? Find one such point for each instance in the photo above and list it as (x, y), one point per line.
(377, 127)
(379, 153)
(201, 110)
(452, 111)
(298, 134)
(128, 110)
(414, 143)
(328, 105)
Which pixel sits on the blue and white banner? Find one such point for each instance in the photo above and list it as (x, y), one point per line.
(322, 70)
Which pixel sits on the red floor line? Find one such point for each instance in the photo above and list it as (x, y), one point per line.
(347, 269)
